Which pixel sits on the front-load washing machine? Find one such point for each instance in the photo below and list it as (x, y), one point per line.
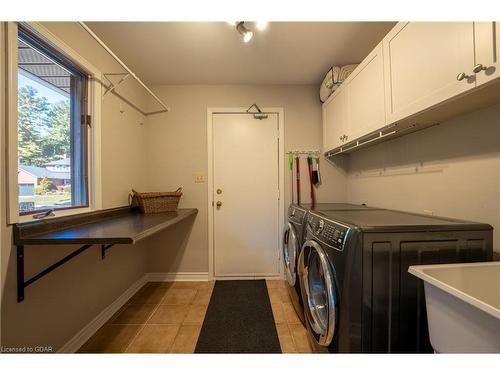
(292, 243)
(353, 272)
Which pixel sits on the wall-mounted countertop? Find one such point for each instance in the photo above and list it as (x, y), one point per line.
(114, 226)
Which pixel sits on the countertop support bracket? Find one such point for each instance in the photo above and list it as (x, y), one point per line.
(21, 284)
(103, 250)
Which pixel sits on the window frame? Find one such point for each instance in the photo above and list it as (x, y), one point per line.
(93, 108)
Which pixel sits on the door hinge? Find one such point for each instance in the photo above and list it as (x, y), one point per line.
(86, 120)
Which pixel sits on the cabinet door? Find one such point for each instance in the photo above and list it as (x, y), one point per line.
(365, 95)
(486, 36)
(335, 119)
(422, 61)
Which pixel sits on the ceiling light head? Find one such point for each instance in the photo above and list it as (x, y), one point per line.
(261, 25)
(247, 34)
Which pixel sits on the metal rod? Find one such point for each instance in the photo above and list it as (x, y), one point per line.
(56, 265)
(106, 86)
(20, 273)
(103, 45)
(303, 152)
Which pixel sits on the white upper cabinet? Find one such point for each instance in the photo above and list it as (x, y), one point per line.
(335, 126)
(365, 96)
(487, 42)
(422, 64)
(414, 78)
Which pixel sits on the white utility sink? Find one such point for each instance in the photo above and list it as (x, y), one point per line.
(463, 306)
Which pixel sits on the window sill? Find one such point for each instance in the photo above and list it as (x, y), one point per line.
(61, 213)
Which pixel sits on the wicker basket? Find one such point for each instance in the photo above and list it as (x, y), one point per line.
(152, 203)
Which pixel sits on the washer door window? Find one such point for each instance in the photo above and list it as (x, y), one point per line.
(318, 281)
(290, 251)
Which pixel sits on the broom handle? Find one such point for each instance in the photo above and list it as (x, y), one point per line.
(297, 172)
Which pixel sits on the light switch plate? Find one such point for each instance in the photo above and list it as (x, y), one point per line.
(199, 178)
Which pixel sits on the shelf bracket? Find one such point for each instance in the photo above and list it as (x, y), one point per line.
(112, 86)
(103, 250)
(21, 284)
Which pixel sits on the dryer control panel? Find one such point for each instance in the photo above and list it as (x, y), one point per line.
(296, 214)
(327, 231)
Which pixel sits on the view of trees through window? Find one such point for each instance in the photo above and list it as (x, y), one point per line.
(44, 175)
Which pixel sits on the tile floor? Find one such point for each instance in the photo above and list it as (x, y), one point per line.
(167, 318)
(292, 334)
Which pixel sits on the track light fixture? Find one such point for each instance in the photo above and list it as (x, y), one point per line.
(247, 34)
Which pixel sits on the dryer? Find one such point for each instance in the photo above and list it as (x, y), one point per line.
(357, 293)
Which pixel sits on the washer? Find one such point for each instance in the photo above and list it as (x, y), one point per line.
(353, 271)
(292, 244)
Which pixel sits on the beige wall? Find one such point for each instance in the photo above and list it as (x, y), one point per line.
(60, 304)
(452, 169)
(177, 149)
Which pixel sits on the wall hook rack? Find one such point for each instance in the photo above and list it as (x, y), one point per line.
(305, 152)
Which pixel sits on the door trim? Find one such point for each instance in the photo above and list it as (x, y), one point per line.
(279, 111)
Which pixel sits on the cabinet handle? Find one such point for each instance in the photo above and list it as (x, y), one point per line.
(477, 68)
(462, 76)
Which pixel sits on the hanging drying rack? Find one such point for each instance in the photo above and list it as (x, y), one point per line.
(111, 87)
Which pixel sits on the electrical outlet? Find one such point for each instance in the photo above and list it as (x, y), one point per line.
(199, 178)
(429, 212)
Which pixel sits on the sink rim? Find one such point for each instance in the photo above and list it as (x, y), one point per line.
(419, 271)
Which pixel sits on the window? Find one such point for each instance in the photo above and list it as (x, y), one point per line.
(52, 131)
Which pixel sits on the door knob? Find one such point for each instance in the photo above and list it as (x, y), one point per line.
(477, 68)
(462, 76)
(218, 204)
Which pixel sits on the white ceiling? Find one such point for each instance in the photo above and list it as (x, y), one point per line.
(213, 52)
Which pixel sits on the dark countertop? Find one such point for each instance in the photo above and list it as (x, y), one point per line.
(116, 226)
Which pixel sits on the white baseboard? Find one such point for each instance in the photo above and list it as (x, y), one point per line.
(86, 332)
(90, 329)
(177, 276)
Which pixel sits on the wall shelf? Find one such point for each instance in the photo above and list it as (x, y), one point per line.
(105, 227)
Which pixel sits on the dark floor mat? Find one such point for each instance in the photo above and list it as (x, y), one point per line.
(239, 319)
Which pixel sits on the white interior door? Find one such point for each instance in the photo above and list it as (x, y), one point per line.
(245, 183)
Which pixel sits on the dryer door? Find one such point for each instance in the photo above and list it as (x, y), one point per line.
(290, 252)
(319, 292)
